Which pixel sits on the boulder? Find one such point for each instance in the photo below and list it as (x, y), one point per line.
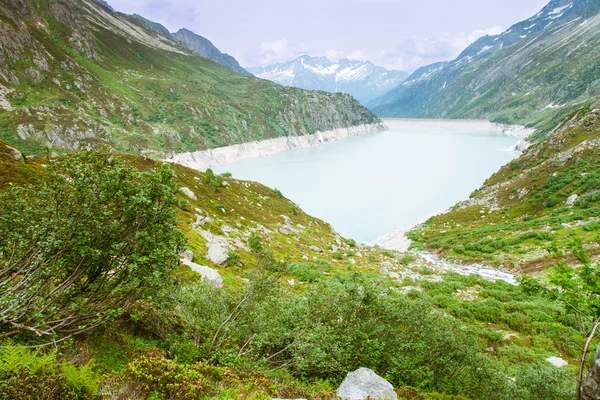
(316, 249)
(572, 199)
(364, 383)
(217, 254)
(12, 152)
(188, 193)
(591, 385)
(208, 274)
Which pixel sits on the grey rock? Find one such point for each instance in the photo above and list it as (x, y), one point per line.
(334, 248)
(316, 249)
(383, 271)
(591, 385)
(571, 200)
(217, 254)
(364, 383)
(394, 275)
(12, 152)
(188, 193)
(285, 230)
(208, 274)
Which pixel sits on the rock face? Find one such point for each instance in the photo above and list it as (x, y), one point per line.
(364, 383)
(208, 274)
(204, 48)
(591, 385)
(217, 254)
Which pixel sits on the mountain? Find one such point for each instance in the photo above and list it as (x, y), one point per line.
(79, 74)
(198, 44)
(361, 79)
(204, 48)
(540, 68)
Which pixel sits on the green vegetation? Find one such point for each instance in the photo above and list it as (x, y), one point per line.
(283, 326)
(520, 218)
(94, 232)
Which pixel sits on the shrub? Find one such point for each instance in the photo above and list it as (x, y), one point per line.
(305, 272)
(234, 259)
(255, 243)
(95, 233)
(278, 193)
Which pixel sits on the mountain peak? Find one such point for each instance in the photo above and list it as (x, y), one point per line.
(361, 79)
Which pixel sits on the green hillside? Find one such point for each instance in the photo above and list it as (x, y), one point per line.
(76, 74)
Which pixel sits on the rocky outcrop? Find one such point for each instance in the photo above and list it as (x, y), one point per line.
(201, 160)
(364, 383)
(208, 274)
(591, 385)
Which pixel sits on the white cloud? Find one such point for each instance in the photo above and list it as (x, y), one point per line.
(415, 52)
(278, 51)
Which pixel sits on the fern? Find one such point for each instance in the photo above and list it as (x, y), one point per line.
(14, 357)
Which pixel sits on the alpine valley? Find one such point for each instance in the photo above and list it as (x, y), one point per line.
(123, 276)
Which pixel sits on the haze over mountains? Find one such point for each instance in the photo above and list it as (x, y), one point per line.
(362, 79)
(545, 66)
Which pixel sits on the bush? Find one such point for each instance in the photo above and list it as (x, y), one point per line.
(95, 233)
(305, 272)
(214, 181)
(278, 193)
(234, 259)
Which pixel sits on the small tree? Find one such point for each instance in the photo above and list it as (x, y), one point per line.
(93, 237)
(579, 289)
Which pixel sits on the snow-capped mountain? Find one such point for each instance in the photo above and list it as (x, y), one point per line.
(361, 79)
(541, 67)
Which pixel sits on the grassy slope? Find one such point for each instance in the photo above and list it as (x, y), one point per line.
(140, 98)
(519, 219)
(512, 326)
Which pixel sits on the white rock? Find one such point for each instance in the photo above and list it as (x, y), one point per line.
(217, 254)
(208, 274)
(364, 383)
(572, 199)
(188, 193)
(557, 361)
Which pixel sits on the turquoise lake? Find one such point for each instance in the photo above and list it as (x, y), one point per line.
(370, 185)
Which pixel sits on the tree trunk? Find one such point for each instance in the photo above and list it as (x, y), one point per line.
(583, 356)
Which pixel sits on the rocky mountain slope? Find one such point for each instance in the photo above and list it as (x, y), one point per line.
(204, 48)
(526, 215)
(538, 69)
(77, 74)
(198, 44)
(363, 80)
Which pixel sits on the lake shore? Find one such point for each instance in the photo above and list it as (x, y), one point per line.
(201, 160)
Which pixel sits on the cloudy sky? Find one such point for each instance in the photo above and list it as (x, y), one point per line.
(398, 34)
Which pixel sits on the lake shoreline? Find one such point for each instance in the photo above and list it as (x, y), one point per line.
(203, 159)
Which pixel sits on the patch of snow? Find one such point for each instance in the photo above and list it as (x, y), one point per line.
(559, 10)
(529, 27)
(523, 36)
